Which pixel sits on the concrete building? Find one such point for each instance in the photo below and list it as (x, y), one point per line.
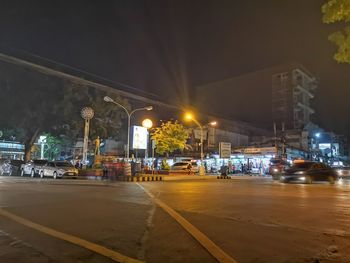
(281, 94)
(292, 91)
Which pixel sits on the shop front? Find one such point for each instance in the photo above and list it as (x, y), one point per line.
(244, 160)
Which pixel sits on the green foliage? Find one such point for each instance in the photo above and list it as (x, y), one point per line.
(169, 137)
(52, 147)
(339, 11)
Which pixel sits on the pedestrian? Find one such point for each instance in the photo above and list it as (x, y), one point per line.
(77, 164)
(189, 168)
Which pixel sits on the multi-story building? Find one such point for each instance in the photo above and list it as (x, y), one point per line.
(292, 91)
(281, 94)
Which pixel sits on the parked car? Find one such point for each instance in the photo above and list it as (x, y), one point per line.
(308, 172)
(58, 169)
(185, 167)
(32, 167)
(277, 168)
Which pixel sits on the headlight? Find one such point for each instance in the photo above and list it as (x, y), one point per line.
(302, 178)
(299, 172)
(275, 170)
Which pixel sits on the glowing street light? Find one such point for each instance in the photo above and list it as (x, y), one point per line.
(147, 123)
(190, 117)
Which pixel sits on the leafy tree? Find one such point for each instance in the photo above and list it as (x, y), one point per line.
(339, 11)
(32, 103)
(169, 137)
(108, 118)
(52, 147)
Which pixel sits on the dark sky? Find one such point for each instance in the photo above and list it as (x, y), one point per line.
(169, 47)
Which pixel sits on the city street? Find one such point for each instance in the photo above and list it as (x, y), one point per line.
(250, 219)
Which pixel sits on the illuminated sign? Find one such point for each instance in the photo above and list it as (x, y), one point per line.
(324, 146)
(139, 137)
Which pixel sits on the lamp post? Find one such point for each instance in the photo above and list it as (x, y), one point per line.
(190, 117)
(147, 123)
(128, 113)
(213, 125)
(87, 114)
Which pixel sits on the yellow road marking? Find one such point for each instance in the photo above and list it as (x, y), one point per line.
(72, 239)
(209, 245)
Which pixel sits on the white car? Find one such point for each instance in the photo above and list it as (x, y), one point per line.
(58, 169)
(184, 167)
(32, 167)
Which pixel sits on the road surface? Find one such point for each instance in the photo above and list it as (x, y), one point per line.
(247, 219)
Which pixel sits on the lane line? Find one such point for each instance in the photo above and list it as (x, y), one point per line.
(71, 239)
(209, 245)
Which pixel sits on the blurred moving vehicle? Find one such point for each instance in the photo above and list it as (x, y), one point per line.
(58, 169)
(343, 172)
(187, 167)
(308, 172)
(277, 168)
(33, 167)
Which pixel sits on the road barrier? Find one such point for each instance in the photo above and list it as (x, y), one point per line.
(140, 178)
(223, 177)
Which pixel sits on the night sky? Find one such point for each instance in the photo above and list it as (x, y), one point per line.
(169, 47)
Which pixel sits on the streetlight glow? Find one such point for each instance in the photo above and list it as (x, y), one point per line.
(147, 123)
(213, 123)
(188, 116)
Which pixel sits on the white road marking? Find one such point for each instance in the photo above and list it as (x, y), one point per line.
(72, 239)
(209, 245)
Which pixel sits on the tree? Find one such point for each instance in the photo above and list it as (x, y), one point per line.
(169, 137)
(108, 119)
(339, 11)
(52, 147)
(34, 104)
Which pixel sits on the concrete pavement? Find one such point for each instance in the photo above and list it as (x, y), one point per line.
(251, 219)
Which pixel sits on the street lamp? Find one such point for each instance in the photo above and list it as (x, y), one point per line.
(190, 117)
(147, 123)
(128, 113)
(213, 125)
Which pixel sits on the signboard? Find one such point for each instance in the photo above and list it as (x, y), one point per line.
(225, 149)
(263, 150)
(139, 140)
(197, 133)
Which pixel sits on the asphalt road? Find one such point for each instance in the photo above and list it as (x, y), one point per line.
(250, 219)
